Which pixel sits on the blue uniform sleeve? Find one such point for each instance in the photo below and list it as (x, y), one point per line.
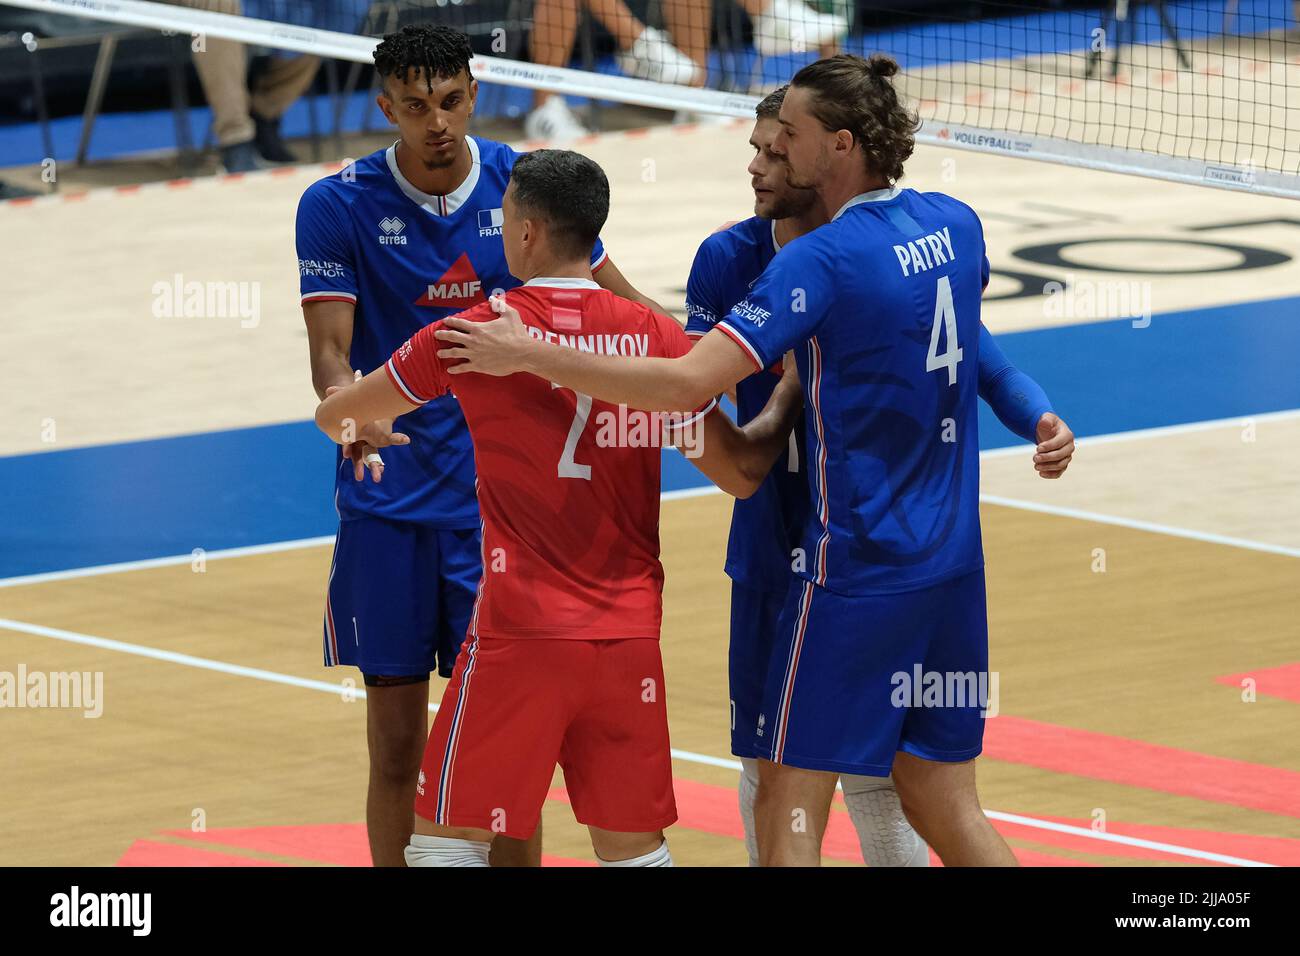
(986, 270)
(704, 306)
(787, 303)
(598, 255)
(326, 271)
(1017, 400)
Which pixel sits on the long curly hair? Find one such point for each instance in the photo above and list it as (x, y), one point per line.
(853, 93)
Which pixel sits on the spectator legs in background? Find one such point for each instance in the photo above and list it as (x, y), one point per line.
(280, 81)
(222, 66)
(555, 26)
(644, 52)
(786, 26)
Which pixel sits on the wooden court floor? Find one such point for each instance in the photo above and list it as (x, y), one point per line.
(1128, 603)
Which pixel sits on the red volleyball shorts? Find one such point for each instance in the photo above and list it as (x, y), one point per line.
(515, 707)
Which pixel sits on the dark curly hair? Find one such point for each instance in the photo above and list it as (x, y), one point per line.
(856, 94)
(429, 51)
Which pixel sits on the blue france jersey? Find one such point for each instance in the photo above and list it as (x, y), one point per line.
(883, 305)
(766, 526)
(407, 258)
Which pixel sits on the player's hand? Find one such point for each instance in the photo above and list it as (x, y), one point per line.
(1055, 447)
(790, 368)
(364, 452)
(497, 347)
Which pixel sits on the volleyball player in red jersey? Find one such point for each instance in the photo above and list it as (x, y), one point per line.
(561, 662)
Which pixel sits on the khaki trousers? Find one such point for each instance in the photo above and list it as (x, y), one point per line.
(222, 66)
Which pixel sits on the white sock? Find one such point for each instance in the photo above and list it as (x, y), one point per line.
(445, 851)
(748, 793)
(659, 857)
(887, 839)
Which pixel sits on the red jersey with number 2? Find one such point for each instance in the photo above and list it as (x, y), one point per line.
(568, 486)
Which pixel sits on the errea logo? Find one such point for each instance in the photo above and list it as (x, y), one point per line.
(392, 227)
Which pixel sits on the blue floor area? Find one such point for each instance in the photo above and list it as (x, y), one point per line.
(918, 45)
(149, 499)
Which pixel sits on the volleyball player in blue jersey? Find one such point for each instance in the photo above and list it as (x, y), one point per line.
(882, 308)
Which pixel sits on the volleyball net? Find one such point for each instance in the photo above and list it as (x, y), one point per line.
(1199, 91)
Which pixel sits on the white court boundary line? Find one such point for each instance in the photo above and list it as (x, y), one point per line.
(359, 693)
(359, 49)
(704, 490)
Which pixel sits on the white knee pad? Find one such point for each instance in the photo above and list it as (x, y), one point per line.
(886, 838)
(659, 857)
(445, 851)
(748, 794)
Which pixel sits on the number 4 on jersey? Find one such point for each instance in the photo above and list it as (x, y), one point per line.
(944, 310)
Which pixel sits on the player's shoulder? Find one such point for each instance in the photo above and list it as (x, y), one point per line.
(496, 155)
(343, 188)
(946, 203)
(736, 238)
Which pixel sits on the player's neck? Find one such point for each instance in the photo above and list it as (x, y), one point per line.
(791, 228)
(435, 182)
(835, 193)
(557, 269)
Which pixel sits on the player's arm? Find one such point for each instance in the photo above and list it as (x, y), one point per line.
(503, 347)
(738, 459)
(328, 282)
(608, 277)
(329, 342)
(1023, 407)
(742, 342)
(348, 407)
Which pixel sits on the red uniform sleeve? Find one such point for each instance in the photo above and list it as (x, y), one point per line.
(415, 369)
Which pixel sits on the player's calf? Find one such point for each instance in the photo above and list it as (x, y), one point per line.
(790, 813)
(396, 732)
(943, 805)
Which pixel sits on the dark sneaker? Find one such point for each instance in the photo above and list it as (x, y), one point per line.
(269, 143)
(240, 158)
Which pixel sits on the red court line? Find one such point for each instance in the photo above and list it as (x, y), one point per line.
(342, 844)
(1135, 763)
(151, 853)
(1283, 682)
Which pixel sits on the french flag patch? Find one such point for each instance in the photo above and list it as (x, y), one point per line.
(490, 218)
